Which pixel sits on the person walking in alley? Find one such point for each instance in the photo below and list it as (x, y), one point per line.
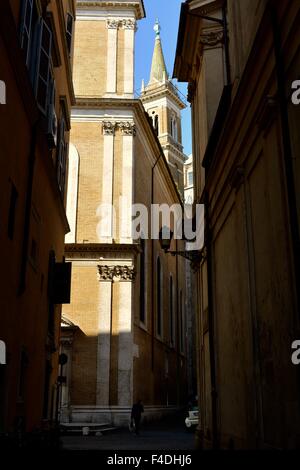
(136, 415)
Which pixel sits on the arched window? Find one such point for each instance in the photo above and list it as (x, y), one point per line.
(171, 310)
(155, 122)
(159, 300)
(174, 132)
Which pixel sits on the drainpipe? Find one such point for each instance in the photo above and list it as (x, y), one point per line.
(179, 332)
(287, 149)
(152, 266)
(214, 395)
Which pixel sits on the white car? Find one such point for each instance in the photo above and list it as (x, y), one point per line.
(192, 419)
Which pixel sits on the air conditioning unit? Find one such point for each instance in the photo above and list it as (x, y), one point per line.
(52, 129)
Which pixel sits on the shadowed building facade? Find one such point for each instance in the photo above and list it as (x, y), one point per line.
(36, 48)
(124, 331)
(240, 58)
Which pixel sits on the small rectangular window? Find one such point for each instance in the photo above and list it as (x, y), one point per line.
(69, 31)
(12, 212)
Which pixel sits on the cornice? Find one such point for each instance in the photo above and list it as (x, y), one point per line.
(175, 150)
(142, 118)
(160, 92)
(100, 248)
(205, 7)
(137, 5)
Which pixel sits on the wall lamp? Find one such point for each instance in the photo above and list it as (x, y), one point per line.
(165, 239)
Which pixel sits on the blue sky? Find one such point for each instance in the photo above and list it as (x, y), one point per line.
(167, 11)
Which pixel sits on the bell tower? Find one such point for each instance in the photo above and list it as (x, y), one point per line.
(162, 102)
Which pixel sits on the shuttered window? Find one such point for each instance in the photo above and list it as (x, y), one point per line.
(62, 150)
(26, 28)
(69, 31)
(43, 65)
(51, 115)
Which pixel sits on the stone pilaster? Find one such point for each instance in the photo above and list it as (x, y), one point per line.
(130, 27)
(128, 131)
(112, 45)
(105, 211)
(103, 348)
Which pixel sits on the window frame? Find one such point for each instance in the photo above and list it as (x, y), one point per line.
(69, 34)
(61, 155)
(39, 50)
(28, 30)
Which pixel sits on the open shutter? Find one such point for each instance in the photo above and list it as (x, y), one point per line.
(61, 156)
(42, 65)
(69, 31)
(26, 28)
(51, 116)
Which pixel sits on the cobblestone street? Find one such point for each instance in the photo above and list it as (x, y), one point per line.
(158, 436)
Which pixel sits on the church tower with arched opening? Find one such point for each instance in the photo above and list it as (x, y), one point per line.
(162, 102)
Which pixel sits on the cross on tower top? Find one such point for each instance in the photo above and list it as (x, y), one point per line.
(157, 29)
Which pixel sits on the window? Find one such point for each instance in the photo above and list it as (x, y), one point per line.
(171, 310)
(190, 178)
(69, 31)
(155, 122)
(12, 212)
(51, 116)
(26, 29)
(174, 127)
(61, 161)
(36, 42)
(43, 66)
(159, 303)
